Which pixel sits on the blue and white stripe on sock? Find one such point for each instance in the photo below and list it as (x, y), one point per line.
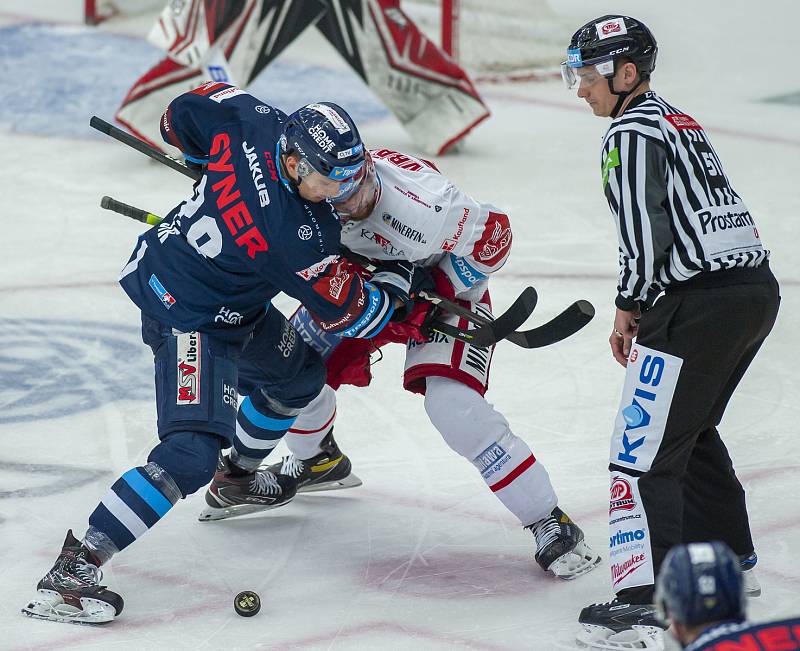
(135, 502)
(258, 430)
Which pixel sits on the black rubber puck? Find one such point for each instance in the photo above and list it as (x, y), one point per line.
(247, 603)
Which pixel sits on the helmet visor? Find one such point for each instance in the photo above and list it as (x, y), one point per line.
(339, 184)
(358, 201)
(585, 75)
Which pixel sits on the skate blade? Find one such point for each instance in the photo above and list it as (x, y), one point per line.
(579, 561)
(211, 513)
(351, 481)
(600, 638)
(49, 606)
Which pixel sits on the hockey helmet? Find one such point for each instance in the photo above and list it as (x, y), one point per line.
(327, 141)
(700, 583)
(602, 41)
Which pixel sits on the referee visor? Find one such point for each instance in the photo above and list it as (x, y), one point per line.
(575, 71)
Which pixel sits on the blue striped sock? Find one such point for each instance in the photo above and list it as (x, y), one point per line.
(257, 432)
(135, 502)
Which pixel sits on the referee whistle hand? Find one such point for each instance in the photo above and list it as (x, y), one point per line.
(625, 329)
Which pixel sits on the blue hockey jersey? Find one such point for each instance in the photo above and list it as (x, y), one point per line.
(783, 635)
(244, 235)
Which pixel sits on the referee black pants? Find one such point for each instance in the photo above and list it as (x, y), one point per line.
(691, 493)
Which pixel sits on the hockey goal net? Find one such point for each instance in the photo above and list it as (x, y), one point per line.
(494, 40)
(97, 11)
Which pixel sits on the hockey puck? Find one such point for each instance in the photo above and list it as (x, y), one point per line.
(247, 603)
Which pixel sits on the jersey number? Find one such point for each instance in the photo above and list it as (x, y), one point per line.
(204, 235)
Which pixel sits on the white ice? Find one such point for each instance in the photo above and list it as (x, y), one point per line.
(421, 556)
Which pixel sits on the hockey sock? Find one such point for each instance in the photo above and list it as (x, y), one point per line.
(258, 430)
(473, 428)
(311, 426)
(135, 502)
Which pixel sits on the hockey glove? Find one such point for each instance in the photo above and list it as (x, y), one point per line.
(415, 323)
(395, 277)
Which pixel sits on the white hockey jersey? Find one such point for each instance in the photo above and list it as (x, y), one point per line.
(422, 217)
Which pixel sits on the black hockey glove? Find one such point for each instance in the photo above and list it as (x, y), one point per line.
(403, 280)
(421, 281)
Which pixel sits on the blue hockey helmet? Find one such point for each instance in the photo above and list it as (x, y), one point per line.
(327, 141)
(700, 583)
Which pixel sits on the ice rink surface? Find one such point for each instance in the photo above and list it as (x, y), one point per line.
(421, 556)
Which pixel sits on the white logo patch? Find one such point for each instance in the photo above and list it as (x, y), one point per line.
(609, 28)
(726, 230)
(188, 367)
(305, 232)
(335, 119)
(650, 380)
(630, 555)
(316, 269)
(227, 93)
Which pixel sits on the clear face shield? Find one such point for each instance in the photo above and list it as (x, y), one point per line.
(358, 200)
(577, 74)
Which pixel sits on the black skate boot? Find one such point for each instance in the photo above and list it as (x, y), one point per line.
(560, 548)
(71, 591)
(233, 493)
(329, 470)
(619, 625)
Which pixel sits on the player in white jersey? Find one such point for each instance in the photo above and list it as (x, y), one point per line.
(404, 210)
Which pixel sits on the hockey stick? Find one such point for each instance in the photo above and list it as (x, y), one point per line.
(141, 146)
(563, 325)
(130, 211)
(486, 334)
(560, 327)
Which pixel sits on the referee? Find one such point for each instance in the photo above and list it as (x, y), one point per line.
(695, 301)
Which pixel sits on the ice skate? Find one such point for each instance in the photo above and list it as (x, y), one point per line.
(618, 625)
(752, 588)
(231, 495)
(71, 591)
(560, 547)
(329, 470)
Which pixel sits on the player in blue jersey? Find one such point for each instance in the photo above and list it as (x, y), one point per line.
(258, 223)
(700, 592)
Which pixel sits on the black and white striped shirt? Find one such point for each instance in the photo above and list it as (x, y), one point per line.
(677, 214)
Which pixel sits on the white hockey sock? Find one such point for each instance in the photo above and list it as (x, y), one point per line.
(311, 426)
(478, 432)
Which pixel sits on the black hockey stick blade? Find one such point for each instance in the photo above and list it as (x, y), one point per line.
(560, 327)
(502, 327)
(139, 145)
(130, 211)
